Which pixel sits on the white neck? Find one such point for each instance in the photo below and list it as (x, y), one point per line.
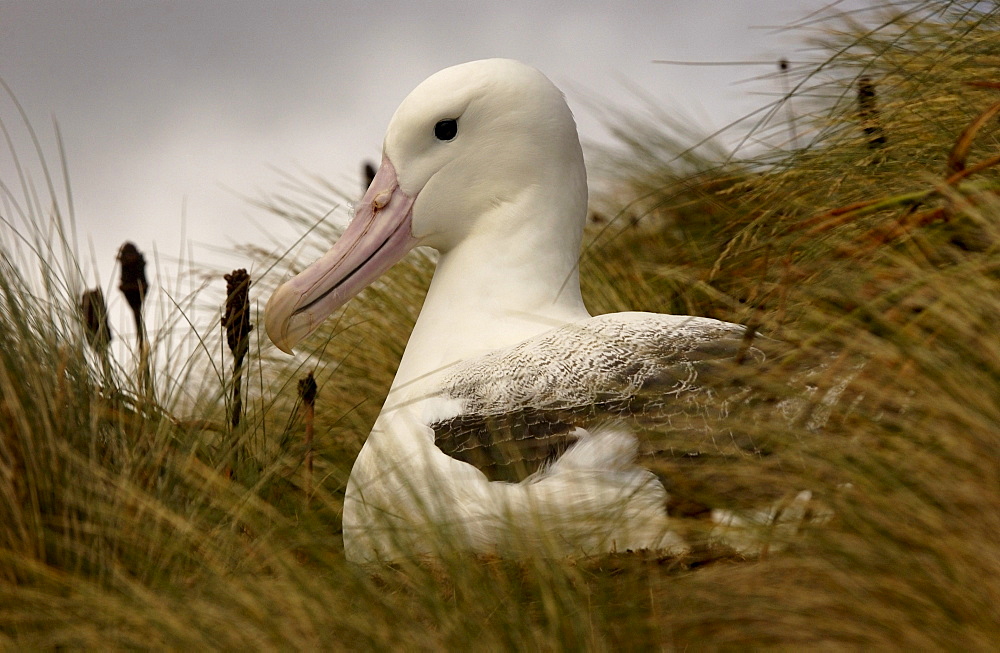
(500, 286)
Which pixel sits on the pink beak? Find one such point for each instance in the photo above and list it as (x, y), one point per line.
(378, 237)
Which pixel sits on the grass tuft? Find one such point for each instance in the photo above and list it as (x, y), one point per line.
(120, 525)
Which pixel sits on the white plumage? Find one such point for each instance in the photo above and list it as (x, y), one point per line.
(505, 371)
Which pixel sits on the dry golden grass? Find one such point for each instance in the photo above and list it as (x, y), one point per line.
(119, 527)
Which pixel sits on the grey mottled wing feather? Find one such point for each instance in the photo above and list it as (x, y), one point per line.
(672, 379)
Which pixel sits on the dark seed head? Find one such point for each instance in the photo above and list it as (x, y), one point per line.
(133, 280)
(369, 172)
(236, 320)
(868, 112)
(94, 312)
(307, 389)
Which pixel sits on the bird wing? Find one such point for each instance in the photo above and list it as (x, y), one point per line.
(680, 384)
(666, 375)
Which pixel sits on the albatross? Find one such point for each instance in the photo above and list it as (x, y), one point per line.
(510, 424)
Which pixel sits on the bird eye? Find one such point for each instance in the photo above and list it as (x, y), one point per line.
(446, 130)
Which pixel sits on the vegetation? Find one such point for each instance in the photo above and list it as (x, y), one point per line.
(150, 516)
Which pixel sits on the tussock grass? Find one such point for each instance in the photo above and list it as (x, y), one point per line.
(119, 526)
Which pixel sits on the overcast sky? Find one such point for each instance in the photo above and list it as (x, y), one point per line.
(169, 110)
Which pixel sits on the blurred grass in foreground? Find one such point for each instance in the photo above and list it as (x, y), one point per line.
(119, 526)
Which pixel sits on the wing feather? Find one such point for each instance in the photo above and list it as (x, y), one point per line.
(672, 380)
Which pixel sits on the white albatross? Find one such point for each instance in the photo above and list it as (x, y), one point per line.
(489, 439)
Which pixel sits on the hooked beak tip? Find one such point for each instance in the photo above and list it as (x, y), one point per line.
(278, 316)
(283, 347)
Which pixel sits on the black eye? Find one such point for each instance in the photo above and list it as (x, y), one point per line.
(446, 130)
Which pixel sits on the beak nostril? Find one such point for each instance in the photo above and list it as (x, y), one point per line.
(381, 199)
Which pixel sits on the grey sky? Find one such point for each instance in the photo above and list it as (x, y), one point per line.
(163, 106)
